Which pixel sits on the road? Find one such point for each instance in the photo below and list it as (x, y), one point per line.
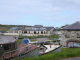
(77, 58)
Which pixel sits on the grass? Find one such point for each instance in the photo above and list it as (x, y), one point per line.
(33, 40)
(51, 40)
(20, 41)
(40, 36)
(65, 53)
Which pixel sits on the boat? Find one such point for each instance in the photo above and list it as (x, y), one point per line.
(44, 49)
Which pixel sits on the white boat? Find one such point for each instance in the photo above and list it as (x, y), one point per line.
(49, 48)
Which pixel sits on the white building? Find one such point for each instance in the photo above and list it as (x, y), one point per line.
(30, 31)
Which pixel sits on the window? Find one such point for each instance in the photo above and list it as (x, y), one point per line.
(78, 35)
(34, 32)
(44, 32)
(16, 31)
(13, 45)
(25, 31)
(38, 32)
(41, 32)
(29, 31)
(1, 48)
(6, 47)
(22, 31)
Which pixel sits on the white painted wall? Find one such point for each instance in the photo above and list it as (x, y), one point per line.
(11, 34)
(35, 34)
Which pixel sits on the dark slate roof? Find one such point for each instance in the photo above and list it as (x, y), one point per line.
(37, 30)
(32, 29)
(3, 31)
(20, 28)
(43, 28)
(38, 26)
(74, 26)
(16, 28)
(48, 28)
(13, 28)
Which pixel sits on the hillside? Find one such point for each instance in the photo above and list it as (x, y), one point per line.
(7, 27)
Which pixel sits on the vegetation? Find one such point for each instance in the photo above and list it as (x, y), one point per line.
(33, 40)
(4, 29)
(65, 53)
(40, 36)
(51, 40)
(7, 27)
(19, 41)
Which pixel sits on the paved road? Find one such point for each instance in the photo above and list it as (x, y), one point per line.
(77, 58)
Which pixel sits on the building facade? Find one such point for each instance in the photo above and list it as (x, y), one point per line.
(30, 31)
(70, 35)
(7, 43)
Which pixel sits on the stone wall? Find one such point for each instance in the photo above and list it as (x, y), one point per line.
(57, 32)
(68, 35)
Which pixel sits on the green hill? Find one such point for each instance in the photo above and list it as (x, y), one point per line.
(7, 27)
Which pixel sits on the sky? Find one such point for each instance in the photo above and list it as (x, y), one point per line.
(54, 13)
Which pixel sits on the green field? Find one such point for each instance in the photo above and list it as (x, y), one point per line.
(65, 53)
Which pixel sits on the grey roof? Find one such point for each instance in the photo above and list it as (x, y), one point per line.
(16, 28)
(74, 26)
(48, 28)
(31, 28)
(43, 28)
(42, 40)
(20, 28)
(37, 30)
(38, 26)
(13, 28)
(4, 39)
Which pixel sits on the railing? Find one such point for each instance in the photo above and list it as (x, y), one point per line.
(10, 52)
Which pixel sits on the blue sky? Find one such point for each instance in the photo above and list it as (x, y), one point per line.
(41, 12)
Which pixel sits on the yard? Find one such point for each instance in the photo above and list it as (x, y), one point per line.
(35, 37)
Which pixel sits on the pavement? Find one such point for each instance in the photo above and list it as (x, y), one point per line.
(76, 58)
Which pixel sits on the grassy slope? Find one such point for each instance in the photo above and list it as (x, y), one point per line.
(65, 53)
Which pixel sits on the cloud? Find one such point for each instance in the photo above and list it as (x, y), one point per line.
(39, 10)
